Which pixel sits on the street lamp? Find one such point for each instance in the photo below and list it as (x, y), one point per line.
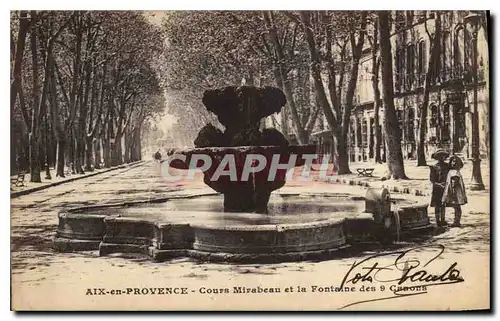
(473, 21)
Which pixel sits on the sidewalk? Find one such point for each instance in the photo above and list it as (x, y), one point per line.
(418, 183)
(29, 187)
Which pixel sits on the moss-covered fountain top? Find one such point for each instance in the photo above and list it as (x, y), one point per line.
(240, 110)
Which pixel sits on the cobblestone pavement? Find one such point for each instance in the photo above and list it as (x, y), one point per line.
(37, 271)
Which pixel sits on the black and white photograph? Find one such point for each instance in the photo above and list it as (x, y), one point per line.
(250, 160)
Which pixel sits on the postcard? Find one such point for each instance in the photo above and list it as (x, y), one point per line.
(250, 160)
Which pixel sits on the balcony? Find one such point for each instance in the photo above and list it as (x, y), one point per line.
(463, 77)
(451, 77)
(469, 77)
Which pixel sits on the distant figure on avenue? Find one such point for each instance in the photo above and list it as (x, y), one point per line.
(157, 156)
(454, 190)
(438, 176)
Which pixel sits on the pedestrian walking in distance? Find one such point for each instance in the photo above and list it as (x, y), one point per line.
(437, 177)
(157, 156)
(454, 190)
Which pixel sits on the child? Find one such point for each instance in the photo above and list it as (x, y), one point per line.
(454, 190)
(438, 179)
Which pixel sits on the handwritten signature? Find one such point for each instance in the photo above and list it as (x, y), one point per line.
(406, 272)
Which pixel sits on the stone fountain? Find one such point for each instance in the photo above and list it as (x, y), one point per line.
(240, 110)
(248, 218)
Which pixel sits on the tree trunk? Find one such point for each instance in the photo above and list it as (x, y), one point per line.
(16, 80)
(128, 142)
(137, 150)
(79, 151)
(42, 147)
(97, 152)
(34, 159)
(72, 152)
(357, 47)
(116, 151)
(392, 134)
(61, 150)
(285, 83)
(106, 152)
(53, 152)
(430, 76)
(376, 94)
(376, 123)
(279, 84)
(299, 130)
(34, 135)
(342, 155)
(89, 147)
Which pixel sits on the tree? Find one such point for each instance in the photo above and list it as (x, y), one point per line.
(344, 28)
(17, 53)
(376, 91)
(261, 48)
(392, 133)
(67, 82)
(430, 78)
(65, 70)
(33, 115)
(283, 59)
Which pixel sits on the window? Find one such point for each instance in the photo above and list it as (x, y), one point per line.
(397, 81)
(446, 123)
(399, 114)
(434, 116)
(358, 132)
(400, 21)
(399, 69)
(409, 18)
(459, 51)
(420, 14)
(372, 137)
(459, 121)
(352, 137)
(421, 57)
(435, 69)
(468, 55)
(365, 133)
(446, 56)
(410, 66)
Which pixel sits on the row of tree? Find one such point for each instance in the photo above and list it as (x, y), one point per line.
(313, 56)
(83, 84)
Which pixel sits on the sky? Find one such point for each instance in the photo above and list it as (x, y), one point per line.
(166, 122)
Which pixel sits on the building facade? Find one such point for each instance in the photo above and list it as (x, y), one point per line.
(451, 99)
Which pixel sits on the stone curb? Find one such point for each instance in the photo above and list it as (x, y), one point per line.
(391, 188)
(72, 179)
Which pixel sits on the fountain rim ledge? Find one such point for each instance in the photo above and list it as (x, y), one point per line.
(67, 242)
(79, 213)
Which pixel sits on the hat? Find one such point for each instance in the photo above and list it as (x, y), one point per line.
(459, 161)
(440, 153)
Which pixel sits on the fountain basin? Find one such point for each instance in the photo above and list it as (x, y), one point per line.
(297, 228)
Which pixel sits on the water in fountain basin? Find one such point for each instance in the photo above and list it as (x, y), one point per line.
(283, 209)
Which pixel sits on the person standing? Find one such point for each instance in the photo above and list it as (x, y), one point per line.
(438, 174)
(454, 190)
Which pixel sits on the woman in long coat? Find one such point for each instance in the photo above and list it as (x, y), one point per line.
(437, 177)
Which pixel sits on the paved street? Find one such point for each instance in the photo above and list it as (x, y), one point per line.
(37, 271)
